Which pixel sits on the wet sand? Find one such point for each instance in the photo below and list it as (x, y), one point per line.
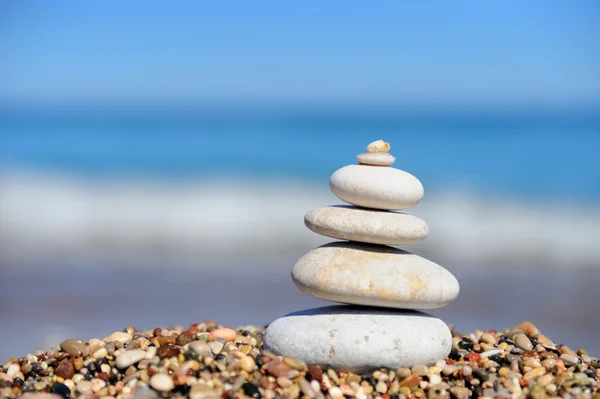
(41, 306)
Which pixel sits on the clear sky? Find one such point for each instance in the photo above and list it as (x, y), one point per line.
(510, 50)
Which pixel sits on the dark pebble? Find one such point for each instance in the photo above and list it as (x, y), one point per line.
(65, 369)
(190, 355)
(220, 356)
(314, 373)
(477, 391)
(184, 338)
(258, 360)
(251, 390)
(36, 368)
(499, 359)
(61, 389)
(181, 390)
(18, 382)
(168, 351)
(481, 375)
(454, 355)
(369, 378)
(466, 344)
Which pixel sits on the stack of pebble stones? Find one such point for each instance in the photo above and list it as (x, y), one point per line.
(386, 283)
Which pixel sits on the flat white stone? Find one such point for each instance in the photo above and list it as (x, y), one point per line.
(366, 225)
(374, 275)
(376, 187)
(376, 158)
(359, 339)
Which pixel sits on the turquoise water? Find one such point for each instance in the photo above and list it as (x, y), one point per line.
(538, 155)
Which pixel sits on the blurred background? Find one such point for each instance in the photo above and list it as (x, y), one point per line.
(157, 159)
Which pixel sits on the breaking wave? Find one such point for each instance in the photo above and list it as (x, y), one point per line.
(45, 215)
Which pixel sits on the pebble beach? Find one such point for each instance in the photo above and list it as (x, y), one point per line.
(208, 360)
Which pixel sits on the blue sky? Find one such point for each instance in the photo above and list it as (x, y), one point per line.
(421, 51)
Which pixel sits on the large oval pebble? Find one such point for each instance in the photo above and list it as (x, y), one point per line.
(366, 225)
(376, 187)
(374, 275)
(359, 339)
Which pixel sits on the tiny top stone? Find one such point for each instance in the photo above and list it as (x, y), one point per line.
(379, 146)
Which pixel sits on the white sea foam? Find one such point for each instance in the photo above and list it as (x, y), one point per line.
(53, 215)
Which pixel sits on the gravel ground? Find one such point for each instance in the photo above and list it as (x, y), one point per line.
(207, 360)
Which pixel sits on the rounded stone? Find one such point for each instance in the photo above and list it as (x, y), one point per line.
(375, 158)
(162, 382)
(374, 275)
(366, 225)
(129, 358)
(379, 146)
(75, 347)
(359, 339)
(376, 187)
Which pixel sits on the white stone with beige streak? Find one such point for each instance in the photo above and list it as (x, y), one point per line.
(359, 339)
(366, 225)
(374, 275)
(376, 158)
(376, 187)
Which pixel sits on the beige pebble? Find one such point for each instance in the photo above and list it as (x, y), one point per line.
(306, 388)
(162, 382)
(12, 370)
(284, 382)
(523, 342)
(336, 392)
(129, 358)
(247, 363)
(419, 369)
(75, 347)
(97, 384)
(434, 379)
(84, 387)
(119, 336)
(549, 363)
(381, 387)
(545, 380)
(534, 373)
(379, 146)
(100, 353)
(95, 344)
(487, 338)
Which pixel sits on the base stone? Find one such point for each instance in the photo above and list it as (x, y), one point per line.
(359, 339)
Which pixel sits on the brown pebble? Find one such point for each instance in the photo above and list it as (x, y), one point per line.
(314, 373)
(410, 381)
(65, 369)
(168, 351)
(278, 368)
(528, 328)
(184, 338)
(226, 333)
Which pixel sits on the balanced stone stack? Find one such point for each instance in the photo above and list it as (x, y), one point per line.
(380, 285)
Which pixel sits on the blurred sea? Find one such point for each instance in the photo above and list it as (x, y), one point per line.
(153, 216)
